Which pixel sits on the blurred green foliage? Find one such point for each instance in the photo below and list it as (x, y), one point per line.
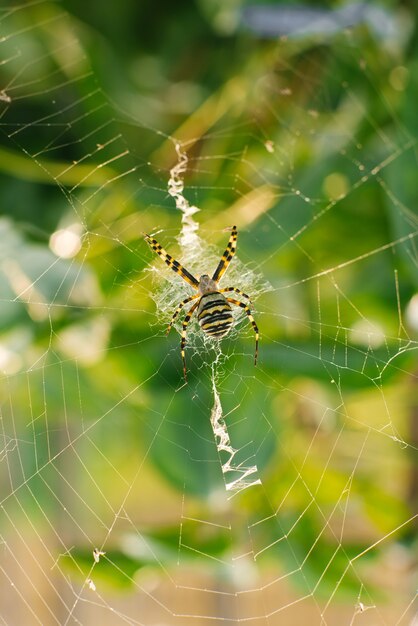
(137, 75)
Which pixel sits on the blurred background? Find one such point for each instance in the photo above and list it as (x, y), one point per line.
(298, 123)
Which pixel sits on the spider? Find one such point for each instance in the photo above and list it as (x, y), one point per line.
(214, 312)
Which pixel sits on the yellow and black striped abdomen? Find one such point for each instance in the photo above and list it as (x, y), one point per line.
(214, 314)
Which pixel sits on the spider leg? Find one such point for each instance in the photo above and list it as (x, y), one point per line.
(227, 255)
(241, 293)
(171, 262)
(250, 317)
(183, 337)
(179, 308)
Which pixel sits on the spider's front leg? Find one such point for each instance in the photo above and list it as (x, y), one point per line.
(227, 255)
(171, 262)
(179, 308)
(183, 337)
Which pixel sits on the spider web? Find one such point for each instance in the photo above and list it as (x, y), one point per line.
(274, 494)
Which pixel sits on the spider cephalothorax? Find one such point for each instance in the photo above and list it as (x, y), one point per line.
(214, 312)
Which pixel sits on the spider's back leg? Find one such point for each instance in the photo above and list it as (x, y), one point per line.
(253, 323)
(183, 337)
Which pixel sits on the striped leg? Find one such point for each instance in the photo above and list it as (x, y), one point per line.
(171, 262)
(183, 337)
(241, 293)
(179, 308)
(250, 317)
(227, 255)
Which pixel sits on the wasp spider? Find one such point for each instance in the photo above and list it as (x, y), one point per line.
(214, 311)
